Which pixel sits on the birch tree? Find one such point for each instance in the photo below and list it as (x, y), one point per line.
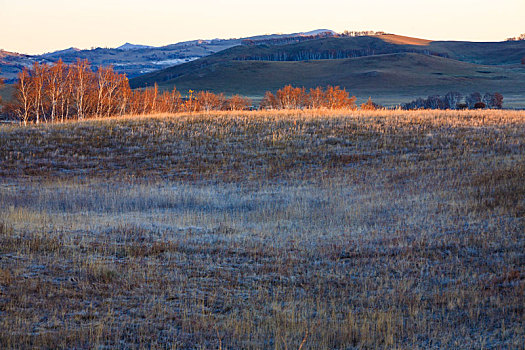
(23, 88)
(80, 83)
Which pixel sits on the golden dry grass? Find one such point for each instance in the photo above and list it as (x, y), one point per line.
(386, 229)
(403, 40)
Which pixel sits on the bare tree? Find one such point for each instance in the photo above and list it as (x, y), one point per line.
(493, 100)
(317, 98)
(452, 99)
(175, 102)
(472, 99)
(338, 98)
(23, 88)
(498, 100)
(124, 96)
(39, 73)
(103, 80)
(238, 103)
(116, 82)
(66, 86)
(209, 101)
(291, 98)
(54, 87)
(80, 83)
(269, 101)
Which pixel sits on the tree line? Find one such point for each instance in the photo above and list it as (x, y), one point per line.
(59, 92)
(517, 38)
(330, 54)
(301, 37)
(455, 100)
(287, 39)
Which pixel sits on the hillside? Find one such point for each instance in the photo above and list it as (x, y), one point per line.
(11, 63)
(130, 59)
(388, 78)
(135, 60)
(6, 92)
(132, 62)
(490, 53)
(391, 68)
(403, 40)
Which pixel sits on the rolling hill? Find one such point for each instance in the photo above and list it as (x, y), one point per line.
(392, 69)
(134, 60)
(129, 59)
(11, 63)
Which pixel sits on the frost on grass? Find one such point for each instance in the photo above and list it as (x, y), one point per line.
(253, 230)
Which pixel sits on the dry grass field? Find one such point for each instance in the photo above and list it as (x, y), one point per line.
(252, 230)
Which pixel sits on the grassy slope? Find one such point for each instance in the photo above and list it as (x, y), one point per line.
(6, 92)
(474, 52)
(385, 229)
(261, 50)
(389, 77)
(490, 53)
(403, 40)
(384, 77)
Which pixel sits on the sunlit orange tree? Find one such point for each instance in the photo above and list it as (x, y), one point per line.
(290, 97)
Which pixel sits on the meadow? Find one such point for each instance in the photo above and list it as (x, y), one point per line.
(283, 229)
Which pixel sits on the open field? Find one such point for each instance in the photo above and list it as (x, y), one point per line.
(276, 229)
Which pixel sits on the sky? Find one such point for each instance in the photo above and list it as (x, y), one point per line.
(38, 26)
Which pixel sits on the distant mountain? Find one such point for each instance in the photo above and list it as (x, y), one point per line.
(11, 63)
(135, 60)
(129, 46)
(59, 53)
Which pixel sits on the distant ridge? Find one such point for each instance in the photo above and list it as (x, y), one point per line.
(134, 59)
(61, 52)
(318, 31)
(129, 46)
(7, 55)
(390, 68)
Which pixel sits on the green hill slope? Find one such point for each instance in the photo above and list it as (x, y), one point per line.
(390, 68)
(309, 50)
(389, 78)
(489, 53)
(6, 93)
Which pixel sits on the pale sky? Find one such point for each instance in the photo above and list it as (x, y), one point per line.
(38, 26)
